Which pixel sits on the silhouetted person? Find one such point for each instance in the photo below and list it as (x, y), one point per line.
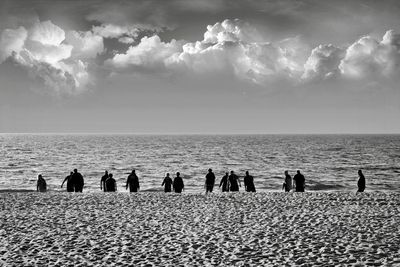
(178, 183)
(110, 184)
(361, 182)
(77, 181)
(103, 181)
(233, 181)
(248, 181)
(70, 185)
(210, 181)
(287, 184)
(224, 183)
(41, 185)
(132, 182)
(167, 183)
(299, 181)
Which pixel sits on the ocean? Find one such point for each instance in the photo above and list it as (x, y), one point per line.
(328, 162)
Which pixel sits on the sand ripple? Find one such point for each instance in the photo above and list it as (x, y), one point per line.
(157, 229)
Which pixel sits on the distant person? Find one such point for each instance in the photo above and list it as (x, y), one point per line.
(103, 181)
(361, 182)
(234, 182)
(178, 183)
(41, 185)
(225, 183)
(287, 184)
(70, 185)
(299, 181)
(248, 181)
(110, 184)
(210, 181)
(132, 182)
(167, 183)
(77, 181)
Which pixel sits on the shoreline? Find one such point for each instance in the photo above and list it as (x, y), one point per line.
(194, 192)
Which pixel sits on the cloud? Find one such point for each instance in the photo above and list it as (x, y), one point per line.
(231, 31)
(116, 31)
(151, 53)
(231, 46)
(62, 59)
(11, 40)
(139, 15)
(126, 40)
(46, 33)
(235, 47)
(85, 44)
(371, 58)
(323, 63)
(56, 58)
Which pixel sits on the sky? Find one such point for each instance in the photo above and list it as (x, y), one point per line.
(200, 66)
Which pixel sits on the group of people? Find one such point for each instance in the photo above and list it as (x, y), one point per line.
(108, 183)
(298, 182)
(229, 182)
(75, 182)
(176, 184)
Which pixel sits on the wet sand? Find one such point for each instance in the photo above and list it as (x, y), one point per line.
(157, 229)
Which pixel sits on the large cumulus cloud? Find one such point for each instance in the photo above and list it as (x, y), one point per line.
(151, 53)
(51, 55)
(371, 58)
(323, 63)
(12, 40)
(61, 59)
(229, 46)
(236, 47)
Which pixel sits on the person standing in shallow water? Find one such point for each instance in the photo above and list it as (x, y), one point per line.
(210, 181)
(110, 184)
(299, 181)
(178, 183)
(167, 183)
(70, 185)
(249, 183)
(77, 181)
(234, 182)
(132, 182)
(361, 182)
(224, 183)
(41, 185)
(103, 181)
(287, 184)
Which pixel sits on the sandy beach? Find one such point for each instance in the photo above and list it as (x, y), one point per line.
(157, 229)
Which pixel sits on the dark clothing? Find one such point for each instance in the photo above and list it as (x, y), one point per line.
(41, 185)
(103, 182)
(168, 183)
(249, 183)
(287, 185)
(110, 185)
(233, 181)
(300, 182)
(178, 185)
(210, 181)
(209, 188)
(361, 183)
(133, 182)
(77, 181)
(70, 185)
(224, 183)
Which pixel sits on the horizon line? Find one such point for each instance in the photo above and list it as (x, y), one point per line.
(197, 133)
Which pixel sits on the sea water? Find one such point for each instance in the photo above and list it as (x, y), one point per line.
(328, 162)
